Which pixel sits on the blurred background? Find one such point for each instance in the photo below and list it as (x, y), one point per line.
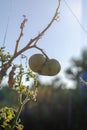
(61, 102)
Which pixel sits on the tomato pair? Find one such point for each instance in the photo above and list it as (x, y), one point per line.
(43, 66)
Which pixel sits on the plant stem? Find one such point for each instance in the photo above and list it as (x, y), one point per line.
(21, 104)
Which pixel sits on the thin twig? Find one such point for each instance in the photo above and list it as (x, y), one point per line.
(41, 51)
(28, 46)
(48, 26)
(20, 35)
(35, 40)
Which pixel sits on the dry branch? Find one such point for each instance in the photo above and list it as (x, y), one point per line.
(31, 44)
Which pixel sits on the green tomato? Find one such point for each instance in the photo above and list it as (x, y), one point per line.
(36, 62)
(50, 68)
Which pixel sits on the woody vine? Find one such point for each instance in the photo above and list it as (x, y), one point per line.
(39, 63)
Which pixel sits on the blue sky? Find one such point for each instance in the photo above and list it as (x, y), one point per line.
(64, 40)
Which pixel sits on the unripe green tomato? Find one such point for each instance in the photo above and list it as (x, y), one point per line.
(36, 62)
(51, 68)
